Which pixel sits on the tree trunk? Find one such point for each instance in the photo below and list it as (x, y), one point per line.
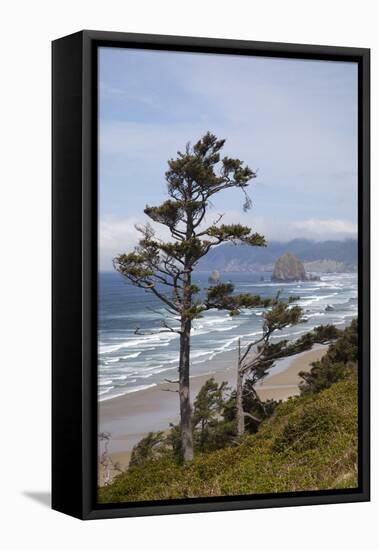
(184, 392)
(184, 368)
(239, 395)
(185, 346)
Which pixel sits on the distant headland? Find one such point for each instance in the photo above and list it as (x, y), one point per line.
(316, 256)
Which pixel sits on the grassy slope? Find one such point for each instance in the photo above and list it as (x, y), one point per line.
(309, 444)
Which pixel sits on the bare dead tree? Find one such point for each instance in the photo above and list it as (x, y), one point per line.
(110, 467)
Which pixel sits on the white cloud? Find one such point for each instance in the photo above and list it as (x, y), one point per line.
(120, 235)
(325, 229)
(115, 236)
(281, 230)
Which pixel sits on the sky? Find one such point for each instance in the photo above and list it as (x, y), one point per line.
(293, 121)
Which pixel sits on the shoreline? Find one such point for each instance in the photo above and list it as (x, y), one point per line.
(131, 416)
(128, 418)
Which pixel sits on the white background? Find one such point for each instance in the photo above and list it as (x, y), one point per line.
(26, 31)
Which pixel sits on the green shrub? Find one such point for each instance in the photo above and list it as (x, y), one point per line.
(310, 443)
(335, 365)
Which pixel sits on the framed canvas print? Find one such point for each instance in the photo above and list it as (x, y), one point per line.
(210, 274)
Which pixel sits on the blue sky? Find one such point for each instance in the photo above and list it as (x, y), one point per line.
(293, 121)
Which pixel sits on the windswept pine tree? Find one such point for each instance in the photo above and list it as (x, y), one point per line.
(165, 268)
(255, 360)
(259, 356)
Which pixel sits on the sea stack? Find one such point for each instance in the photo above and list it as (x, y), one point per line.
(289, 268)
(214, 278)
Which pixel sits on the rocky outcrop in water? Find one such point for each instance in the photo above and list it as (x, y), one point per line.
(214, 278)
(289, 268)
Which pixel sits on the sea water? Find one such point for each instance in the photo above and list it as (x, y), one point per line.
(136, 352)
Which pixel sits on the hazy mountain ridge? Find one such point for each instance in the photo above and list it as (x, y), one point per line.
(324, 256)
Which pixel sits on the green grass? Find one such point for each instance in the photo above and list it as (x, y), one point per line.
(309, 444)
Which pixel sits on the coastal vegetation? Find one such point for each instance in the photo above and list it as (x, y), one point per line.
(165, 268)
(308, 442)
(229, 440)
(258, 356)
(227, 282)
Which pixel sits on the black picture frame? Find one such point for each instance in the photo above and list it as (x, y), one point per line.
(74, 333)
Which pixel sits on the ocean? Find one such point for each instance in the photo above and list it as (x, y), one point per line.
(130, 362)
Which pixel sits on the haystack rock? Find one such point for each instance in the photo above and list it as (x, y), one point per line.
(289, 268)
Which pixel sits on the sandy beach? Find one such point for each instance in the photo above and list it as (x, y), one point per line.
(283, 382)
(130, 417)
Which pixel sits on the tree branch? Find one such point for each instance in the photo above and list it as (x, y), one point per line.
(255, 418)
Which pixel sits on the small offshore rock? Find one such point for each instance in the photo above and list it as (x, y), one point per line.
(214, 278)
